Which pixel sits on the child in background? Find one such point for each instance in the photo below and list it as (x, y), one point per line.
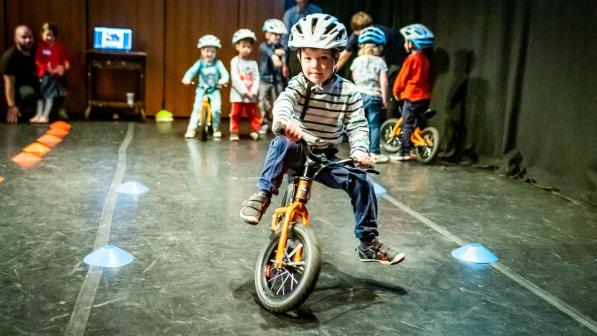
(52, 63)
(412, 84)
(370, 75)
(245, 84)
(322, 104)
(271, 69)
(212, 75)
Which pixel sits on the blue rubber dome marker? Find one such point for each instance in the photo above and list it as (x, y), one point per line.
(132, 188)
(109, 256)
(474, 253)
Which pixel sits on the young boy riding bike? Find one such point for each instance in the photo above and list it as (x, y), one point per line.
(324, 105)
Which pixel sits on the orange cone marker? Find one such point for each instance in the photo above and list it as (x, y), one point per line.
(37, 149)
(60, 125)
(57, 132)
(1, 179)
(49, 140)
(25, 159)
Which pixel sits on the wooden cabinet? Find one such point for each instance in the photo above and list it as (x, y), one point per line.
(116, 80)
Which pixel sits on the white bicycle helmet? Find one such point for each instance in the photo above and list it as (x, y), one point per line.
(274, 26)
(242, 34)
(209, 41)
(418, 34)
(321, 31)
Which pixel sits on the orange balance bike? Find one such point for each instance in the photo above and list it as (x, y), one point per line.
(425, 142)
(289, 265)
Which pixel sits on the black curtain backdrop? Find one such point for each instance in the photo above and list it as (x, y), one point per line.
(514, 83)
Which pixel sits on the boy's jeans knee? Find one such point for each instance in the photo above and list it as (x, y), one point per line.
(281, 155)
(410, 114)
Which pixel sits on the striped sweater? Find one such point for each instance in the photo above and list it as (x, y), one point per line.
(334, 108)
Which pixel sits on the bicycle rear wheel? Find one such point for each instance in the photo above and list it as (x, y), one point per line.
(283, 289)
(428, 152)
(388, 143)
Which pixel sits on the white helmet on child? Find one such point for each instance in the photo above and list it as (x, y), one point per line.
(321, 31)
(418, 34)
(209, 41)
(274, 26)
(243, 34)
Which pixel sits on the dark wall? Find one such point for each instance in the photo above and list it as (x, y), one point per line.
(514, 83)
(166, 30)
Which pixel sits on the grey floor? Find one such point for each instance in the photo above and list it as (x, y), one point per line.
(193, 272)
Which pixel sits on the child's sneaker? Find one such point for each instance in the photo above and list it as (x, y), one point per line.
(254, 135)
(254, 208)
(376, 251)
(34, 120)
(234, 137)
(217, 134)
(380, 158)
(190, 133)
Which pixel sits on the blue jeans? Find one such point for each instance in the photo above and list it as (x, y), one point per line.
(372, 106)
(410, 115)
(284, 156)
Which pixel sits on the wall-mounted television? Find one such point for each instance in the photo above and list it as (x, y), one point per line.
(112, 38)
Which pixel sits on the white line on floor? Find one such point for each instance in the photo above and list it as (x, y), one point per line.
(519, 279)
(78, 320)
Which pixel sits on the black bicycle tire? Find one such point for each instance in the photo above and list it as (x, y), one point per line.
(203, 125)
(312, 268)
(434, 149)
(386, 143)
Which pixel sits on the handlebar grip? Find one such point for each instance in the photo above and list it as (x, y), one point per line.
(278, 128)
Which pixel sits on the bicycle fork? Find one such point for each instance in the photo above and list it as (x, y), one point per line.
(293, 212)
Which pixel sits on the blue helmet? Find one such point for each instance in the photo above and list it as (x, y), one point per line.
(418, 34)
(372, 35)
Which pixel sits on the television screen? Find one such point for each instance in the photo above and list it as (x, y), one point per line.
(112, 38)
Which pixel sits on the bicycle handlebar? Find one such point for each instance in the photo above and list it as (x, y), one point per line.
(324, 162)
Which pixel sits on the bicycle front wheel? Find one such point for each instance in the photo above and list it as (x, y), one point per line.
(390, 143)
(203, 125)
(283, 289)
(428, 152)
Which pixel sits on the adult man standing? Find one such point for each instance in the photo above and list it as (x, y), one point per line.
(291, 16)
(21, 86)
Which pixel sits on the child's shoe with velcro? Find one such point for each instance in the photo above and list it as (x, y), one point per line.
(376, 251)
(254, 208)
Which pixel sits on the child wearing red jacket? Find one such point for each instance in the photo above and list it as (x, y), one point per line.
(412, 84)
(52, 63)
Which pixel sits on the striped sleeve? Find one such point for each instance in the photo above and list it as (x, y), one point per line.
(286, 102)
(356, 125)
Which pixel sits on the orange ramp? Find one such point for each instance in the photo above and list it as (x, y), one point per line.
(57, 132)
(37, 149)
(49, 140)
(60, 125)
(25, 159)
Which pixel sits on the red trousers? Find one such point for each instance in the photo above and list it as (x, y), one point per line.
(251, 111)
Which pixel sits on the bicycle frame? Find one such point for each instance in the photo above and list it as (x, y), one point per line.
(415, 137)
(206, 105)
(295, 211)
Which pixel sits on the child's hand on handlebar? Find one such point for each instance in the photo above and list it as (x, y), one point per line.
(363, 159)
(293, 131)
(186, 82)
